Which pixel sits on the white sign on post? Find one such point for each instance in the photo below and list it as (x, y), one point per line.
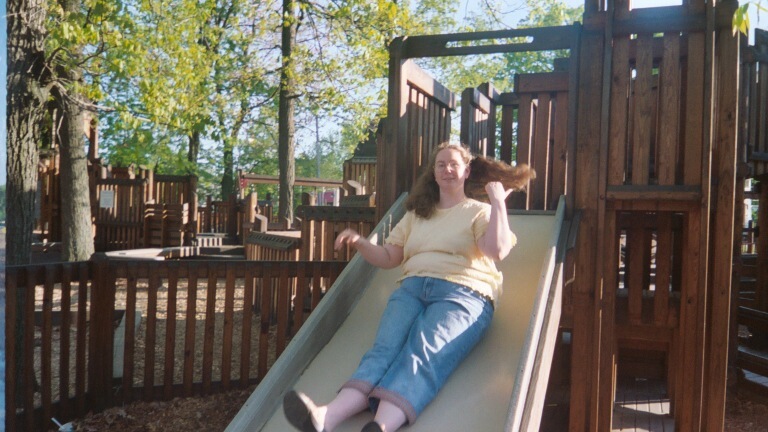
(107, 199)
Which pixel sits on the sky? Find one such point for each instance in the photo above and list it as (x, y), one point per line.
(759, 20)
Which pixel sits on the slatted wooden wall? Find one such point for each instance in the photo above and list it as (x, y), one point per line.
(419, 118)
(539, 109)
(478, 119)
(119, 221)
(655, 178)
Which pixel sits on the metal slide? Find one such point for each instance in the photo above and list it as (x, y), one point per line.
(499, 387)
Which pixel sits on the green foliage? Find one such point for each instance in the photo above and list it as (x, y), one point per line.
(741, 21)
(164, 70)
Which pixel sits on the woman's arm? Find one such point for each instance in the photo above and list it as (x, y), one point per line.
(497, 240)
(386, 257)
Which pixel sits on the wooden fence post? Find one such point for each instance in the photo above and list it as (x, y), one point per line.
(100, 349)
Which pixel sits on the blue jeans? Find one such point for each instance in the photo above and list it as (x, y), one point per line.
(428, 327)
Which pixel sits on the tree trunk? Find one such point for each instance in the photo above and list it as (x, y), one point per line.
(24, 113)
(228, 178)
(77, 231)
(286, 127)
(76, 227)
(194, 148)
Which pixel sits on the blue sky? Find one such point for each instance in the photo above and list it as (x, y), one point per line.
(757, 20)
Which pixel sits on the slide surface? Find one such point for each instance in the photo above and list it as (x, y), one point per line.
(478, 395)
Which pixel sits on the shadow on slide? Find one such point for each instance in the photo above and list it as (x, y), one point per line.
(499, 387)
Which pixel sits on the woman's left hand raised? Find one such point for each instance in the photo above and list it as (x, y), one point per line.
(496, 191)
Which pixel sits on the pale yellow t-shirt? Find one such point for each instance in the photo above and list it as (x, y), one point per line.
(445, 247)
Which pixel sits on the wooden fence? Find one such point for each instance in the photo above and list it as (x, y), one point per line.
(102, 333)
(750, 270)
(314, 242)
(537, 110)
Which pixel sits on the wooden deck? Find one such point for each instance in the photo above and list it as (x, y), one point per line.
(642, 405)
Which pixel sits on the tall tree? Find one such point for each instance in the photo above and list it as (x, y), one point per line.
(77, 34)
(286, 127)
(26, 98)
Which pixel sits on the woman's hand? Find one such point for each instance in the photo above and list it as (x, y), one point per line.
(496, 192)
(386, 256)
(498, 239)
(346, 237)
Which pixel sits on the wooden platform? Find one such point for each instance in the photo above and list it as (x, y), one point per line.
(642, 405)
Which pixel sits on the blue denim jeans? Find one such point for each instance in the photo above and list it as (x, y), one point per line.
(428, 327)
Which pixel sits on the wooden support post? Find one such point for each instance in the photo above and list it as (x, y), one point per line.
(585, 348)
(725, 119)
(100, 350)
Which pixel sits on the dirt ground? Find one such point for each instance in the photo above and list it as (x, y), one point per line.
(745, 412)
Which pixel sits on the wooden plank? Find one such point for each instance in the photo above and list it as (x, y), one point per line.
(608, 347)
(560, 151)
(663, 269)
(669, 110)
(582, 405)
(130, 332)
(299, 298)
(641, 138)
(417, 77)
(525, 132)
(12, 376)
(153, 285)
(81, 349)
(266, 313)
(660, 20)
(46, 343)
(189, 331)
(541, 39)
(65, 341)
(541, 82)
(507, 113)
(245, 341)
(617, 153)
(170, 331)
(540, 153)
(228, 330)
(662, 193)
(210, 326)
(726, 118)
(283, 307)
(635, 254)
(694, 112)
(29, 350)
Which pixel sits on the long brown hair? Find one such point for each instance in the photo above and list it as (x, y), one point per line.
(425, 194)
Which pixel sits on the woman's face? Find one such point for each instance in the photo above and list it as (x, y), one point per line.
(450, 170)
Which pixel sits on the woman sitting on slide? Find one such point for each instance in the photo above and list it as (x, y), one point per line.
(447, 243)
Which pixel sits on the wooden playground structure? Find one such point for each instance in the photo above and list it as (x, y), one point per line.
(648, 125)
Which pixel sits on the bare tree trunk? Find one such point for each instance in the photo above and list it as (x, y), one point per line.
(24, 113)
(194, 147)
(76, 226)
(228, 178)
(286, 127)
(77, 230)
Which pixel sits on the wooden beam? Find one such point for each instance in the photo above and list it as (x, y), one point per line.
(541, 82)
(300, 181)
(488, 42)
(725, 120)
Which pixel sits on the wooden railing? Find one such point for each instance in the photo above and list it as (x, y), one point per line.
(105, 332)
(314, 242)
